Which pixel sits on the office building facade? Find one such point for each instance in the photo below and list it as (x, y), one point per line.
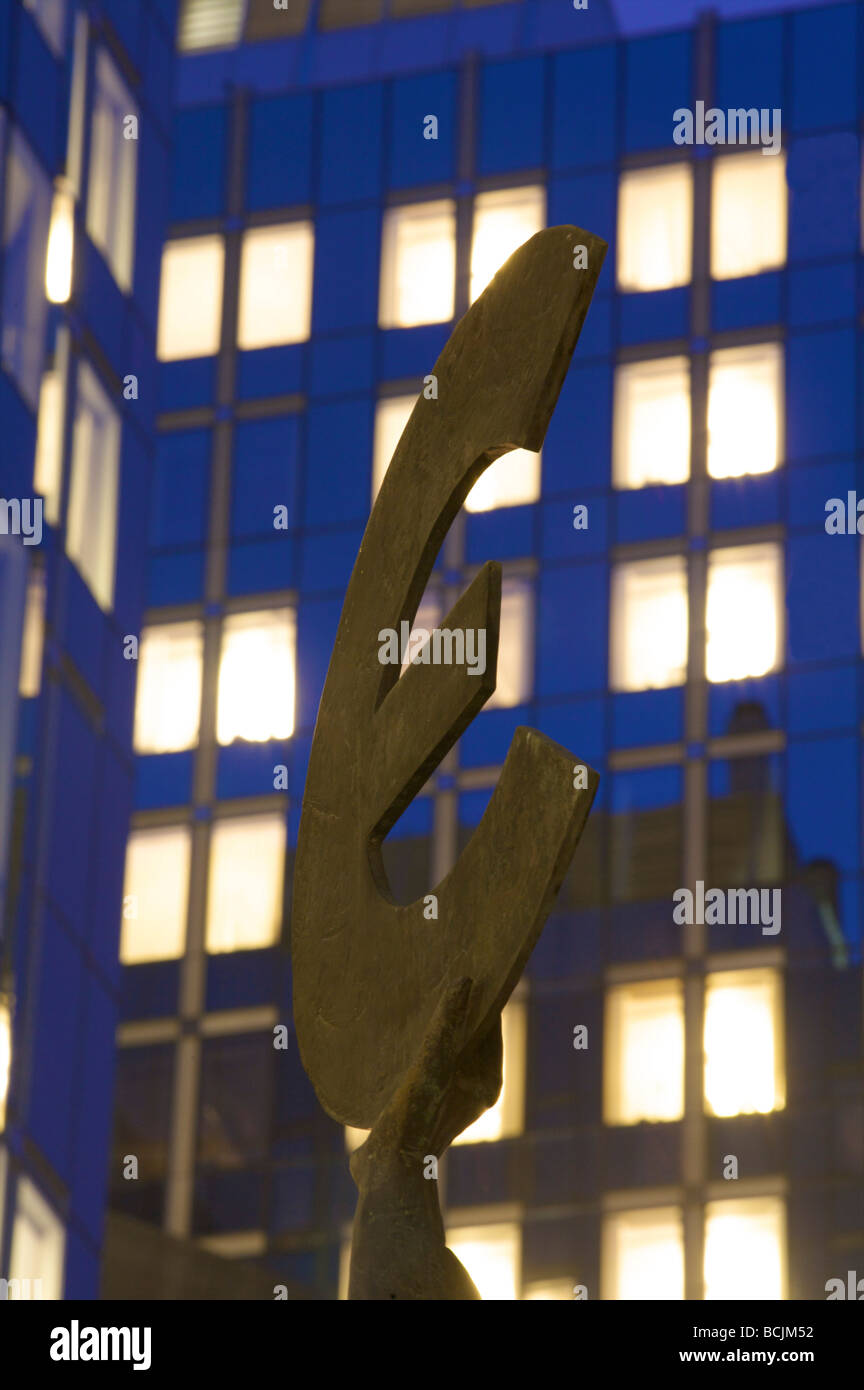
(681, 1115)
(85, 105)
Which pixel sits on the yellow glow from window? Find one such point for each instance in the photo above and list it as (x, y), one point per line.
(506, 1117)
(744, 1070)
(748, 214)
(515, 646)
(38, 1242)
(275, 285)
(257, 677)
(190, 298)
(511, 481)
(548, 1291)
(643, 1255)
(655, 227)
(168, 704)
(155, 894)
(652, 423)
(354, 1138)
(30, 676)
(113, 171)
(244, 897)
(91, 523)
(503, 221)
(391, 417)
(418, 265)
(743, 617)
(649, 624)
(61, 244)
(744, 410)
(48, 467)
(491, 1254)
(5, 1063)
(209, 24)
(644, 1052)
(744, 1249)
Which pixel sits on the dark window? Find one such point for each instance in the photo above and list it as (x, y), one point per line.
(142, 1128)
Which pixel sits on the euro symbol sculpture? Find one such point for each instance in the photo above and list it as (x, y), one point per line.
(398, 1016)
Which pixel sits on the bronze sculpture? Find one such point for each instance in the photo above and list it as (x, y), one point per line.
(398, 1015)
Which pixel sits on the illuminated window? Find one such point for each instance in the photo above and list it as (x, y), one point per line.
(38, 1244)
(344, 1267)
(492, 1255)
(5, 1069)
(244, 897)
(275, 285)
(418, 265)
(391, 417)
(91, 528)
(168, 704)
(113, 171)
(511, 481)
(743, 1042)
(745, 1249)
(77, 104)
(257, 676)
(210, 24)
(27, 213)
(644, 1052)
(50, 15)
(655, 227)
(503, 221)
(643, 1255)
(354, 1138)
(190, 298)
(507, 1116)
(515, 646)
(48, 466)
(155, 894)
(649, 624)
(30, 677)
(548, 1290)
(744, 616)
(748, 214)
(61, 245)
(745, 410)
(652, 423)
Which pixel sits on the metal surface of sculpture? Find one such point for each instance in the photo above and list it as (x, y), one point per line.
(398, 1014)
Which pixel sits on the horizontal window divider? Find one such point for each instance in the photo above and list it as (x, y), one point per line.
(626, 759)
(147, 1031)
(230, 1021)
(641, 1198)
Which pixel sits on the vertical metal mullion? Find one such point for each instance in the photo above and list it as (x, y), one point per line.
(695, 786)
(193, 969)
